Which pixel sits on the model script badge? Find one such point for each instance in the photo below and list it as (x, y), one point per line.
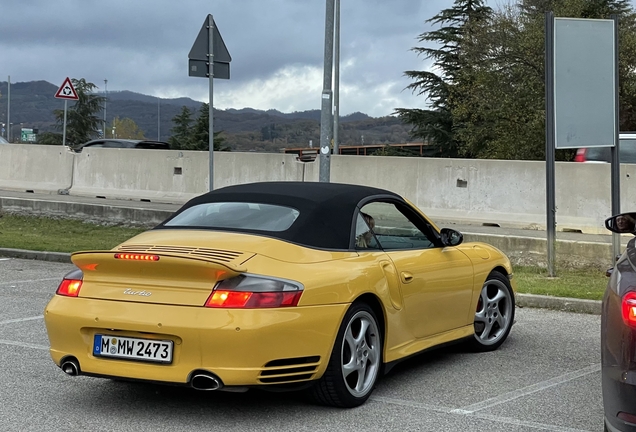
(128, 291)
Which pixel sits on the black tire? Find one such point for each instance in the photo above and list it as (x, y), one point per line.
(336, 387)
(495, 313)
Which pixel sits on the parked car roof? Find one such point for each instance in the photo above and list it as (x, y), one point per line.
(124, 143)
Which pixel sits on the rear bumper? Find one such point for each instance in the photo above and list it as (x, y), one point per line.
(619, 395)
(236, 345)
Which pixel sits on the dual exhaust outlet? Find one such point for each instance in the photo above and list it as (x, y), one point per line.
(200, 381)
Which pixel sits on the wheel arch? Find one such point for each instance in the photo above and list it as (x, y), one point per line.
(375, 304)
(499, 269)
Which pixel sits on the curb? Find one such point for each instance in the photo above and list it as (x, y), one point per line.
(60, 257)
(564, 304)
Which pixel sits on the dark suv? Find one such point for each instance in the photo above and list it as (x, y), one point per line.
(124, 143)
(626, 152)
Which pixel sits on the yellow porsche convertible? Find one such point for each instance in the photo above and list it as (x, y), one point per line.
(281, 285)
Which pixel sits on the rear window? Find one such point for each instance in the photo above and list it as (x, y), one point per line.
(236, 215)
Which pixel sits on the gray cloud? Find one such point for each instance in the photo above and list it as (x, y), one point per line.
(276, 45)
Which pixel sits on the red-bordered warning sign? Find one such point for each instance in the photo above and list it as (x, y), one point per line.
(67, 91)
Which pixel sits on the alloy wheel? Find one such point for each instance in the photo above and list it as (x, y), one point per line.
(360, 354)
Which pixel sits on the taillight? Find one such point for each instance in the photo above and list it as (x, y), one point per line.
(580, 155)
(253, 292)
(136, 257)
(69, 287)
(629, 308)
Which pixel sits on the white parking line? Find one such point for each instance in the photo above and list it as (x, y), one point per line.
(534, 425)
(412, 404)
(21, 319)
(525, 391)
(487, 417)
(5, 259)
(30, 281)
(471, 410)
(22, 344)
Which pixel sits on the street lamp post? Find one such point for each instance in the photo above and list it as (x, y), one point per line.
(105, 99)
(326, 111)
(9, 108)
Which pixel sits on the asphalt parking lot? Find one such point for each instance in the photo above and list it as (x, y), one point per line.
(545, 377)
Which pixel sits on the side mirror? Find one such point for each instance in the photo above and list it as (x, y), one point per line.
(450, 237)
(623, 223)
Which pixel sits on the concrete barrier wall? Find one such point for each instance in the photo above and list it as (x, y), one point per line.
(35, 168)
(173, 176)
(459, 190)
(508, 193)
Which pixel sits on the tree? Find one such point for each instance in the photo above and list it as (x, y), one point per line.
(82, 122)
(449, 76)
(126, 128)
(180, 138)
(50, 138)
(487, 87)
(511, 80)
(186, 137)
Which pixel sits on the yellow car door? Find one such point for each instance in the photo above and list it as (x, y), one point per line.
(436, 288)
(436, 281)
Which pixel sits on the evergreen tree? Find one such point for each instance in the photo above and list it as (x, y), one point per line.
(196, 137)
(512, 82)
(180, 139)
(445, 80)
(486, 86)
(201, 133)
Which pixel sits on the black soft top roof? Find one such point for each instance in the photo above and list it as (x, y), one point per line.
(327, 210)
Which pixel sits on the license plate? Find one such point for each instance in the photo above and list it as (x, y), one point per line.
(150, 350)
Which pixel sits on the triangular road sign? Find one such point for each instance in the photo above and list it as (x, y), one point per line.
(199, 49)
(67, 91)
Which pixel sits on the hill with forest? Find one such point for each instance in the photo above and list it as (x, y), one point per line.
(33, 103)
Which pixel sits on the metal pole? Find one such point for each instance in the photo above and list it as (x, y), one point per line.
(105, 99)
(158, 119)
(9, 109)
(549, 140)
(336, 78)
(211, 78)
(616, 167)
(326, 120)
(64, 127)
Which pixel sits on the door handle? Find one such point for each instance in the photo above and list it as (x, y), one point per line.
(406, 277)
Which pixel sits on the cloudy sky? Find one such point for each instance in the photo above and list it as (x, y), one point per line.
(276, 46)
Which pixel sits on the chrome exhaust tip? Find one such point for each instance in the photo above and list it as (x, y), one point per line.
(70, 367)
(205, 382)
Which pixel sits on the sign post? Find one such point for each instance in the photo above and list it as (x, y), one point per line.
(209, 58)
(581, 100)
(66, 92)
